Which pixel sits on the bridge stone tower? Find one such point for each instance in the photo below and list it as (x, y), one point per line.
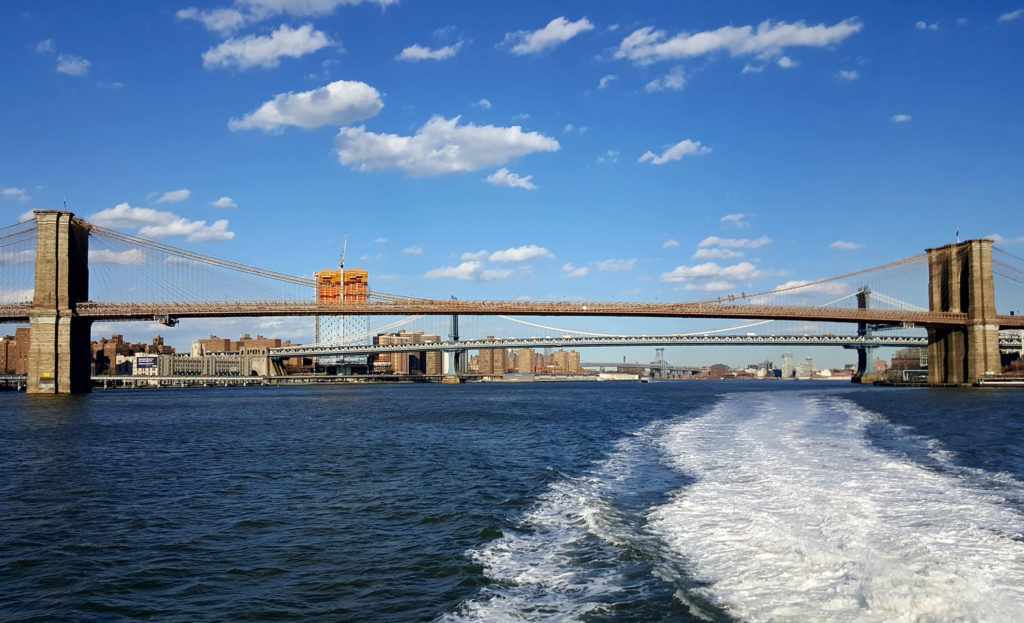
(59, 353)
(960, 280)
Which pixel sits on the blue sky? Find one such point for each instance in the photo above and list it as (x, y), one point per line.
(627, 151)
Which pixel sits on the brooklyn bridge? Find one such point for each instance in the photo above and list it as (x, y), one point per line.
(962, 320)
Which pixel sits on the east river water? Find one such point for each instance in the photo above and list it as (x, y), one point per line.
(675, 501)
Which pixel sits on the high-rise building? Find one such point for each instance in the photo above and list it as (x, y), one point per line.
(788, 369)
(524, 361)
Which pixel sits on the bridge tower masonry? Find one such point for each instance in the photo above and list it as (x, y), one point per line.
(59, 354)
(960, 280)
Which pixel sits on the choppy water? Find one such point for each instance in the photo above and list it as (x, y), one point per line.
(528, 502)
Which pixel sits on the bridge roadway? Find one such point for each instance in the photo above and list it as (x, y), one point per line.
(168, 312)
(846, 341)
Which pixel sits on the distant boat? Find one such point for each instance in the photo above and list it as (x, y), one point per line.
(645, 379)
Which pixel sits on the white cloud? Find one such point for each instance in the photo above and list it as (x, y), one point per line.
(381, 240)
(606, 81)
(574, 272)
(836, 288)
(786, 63)
(752, 69)
(218, 20)
(521, 254)
(609, 156)
(413, 250)
(844, 245)
(744, 271)
(45, 46)
(848, 74)
(20, 295)
(27, 216)
(175, 196)
(485, 104)
(72, 65)
(996, 238)
(716, 254)
(224, 202)
(339, 103)
(479, 256)
(647, 45)
(900, 118)
(17, 194)
(252, 51)
(678, 151)
(418, 52)
(8, 258)
(106, 256)
(440, 147)
(558, 30)
(674, 80)
(1011, 16)
(503, 177)
(616, 265)
(711, 286)
(925, 26)
(734, 243)
(156, 224)
(468, 271)
(670, 243)
(246, 12)
(735, 220)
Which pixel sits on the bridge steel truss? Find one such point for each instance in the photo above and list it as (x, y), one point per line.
(962, 323)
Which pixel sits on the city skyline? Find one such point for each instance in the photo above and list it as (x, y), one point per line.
(578, 151)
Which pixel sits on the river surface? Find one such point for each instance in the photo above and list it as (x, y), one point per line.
(603, 502)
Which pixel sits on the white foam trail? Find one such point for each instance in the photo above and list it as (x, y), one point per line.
(560, 564)
(796, 517)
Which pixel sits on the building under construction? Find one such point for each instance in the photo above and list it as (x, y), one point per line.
(336, 286)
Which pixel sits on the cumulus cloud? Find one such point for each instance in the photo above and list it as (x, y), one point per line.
(734, 243)
(836, 288)
(15, 194)
(413, 250)
(17, 257)
(678, 151)
(72, 65)
(340, 102)
(900, 118)
(926, 26)
(734, 220)
(253, 51)
(175, 196)
(609, 157)
(244, 12)
(670, 243)
(752, 69)
(418, 52)
(647, 45)
(45, 46)
(521, 254)
(848, 74)
(786, 63)
(440, 147)
(468, 271)
(1011, 16)
(106, 256)
(744, 271)
(558, 31)
(224, 202)
(674, 80)
(844, 245)
(156, 224)
(606, 81)
(503, 177)
(716, 254)
(1002, 240)
(616, 265)
(479, 256)
(484, 103)
(575, 272)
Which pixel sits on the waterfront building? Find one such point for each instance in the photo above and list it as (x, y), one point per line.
(788, 369)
